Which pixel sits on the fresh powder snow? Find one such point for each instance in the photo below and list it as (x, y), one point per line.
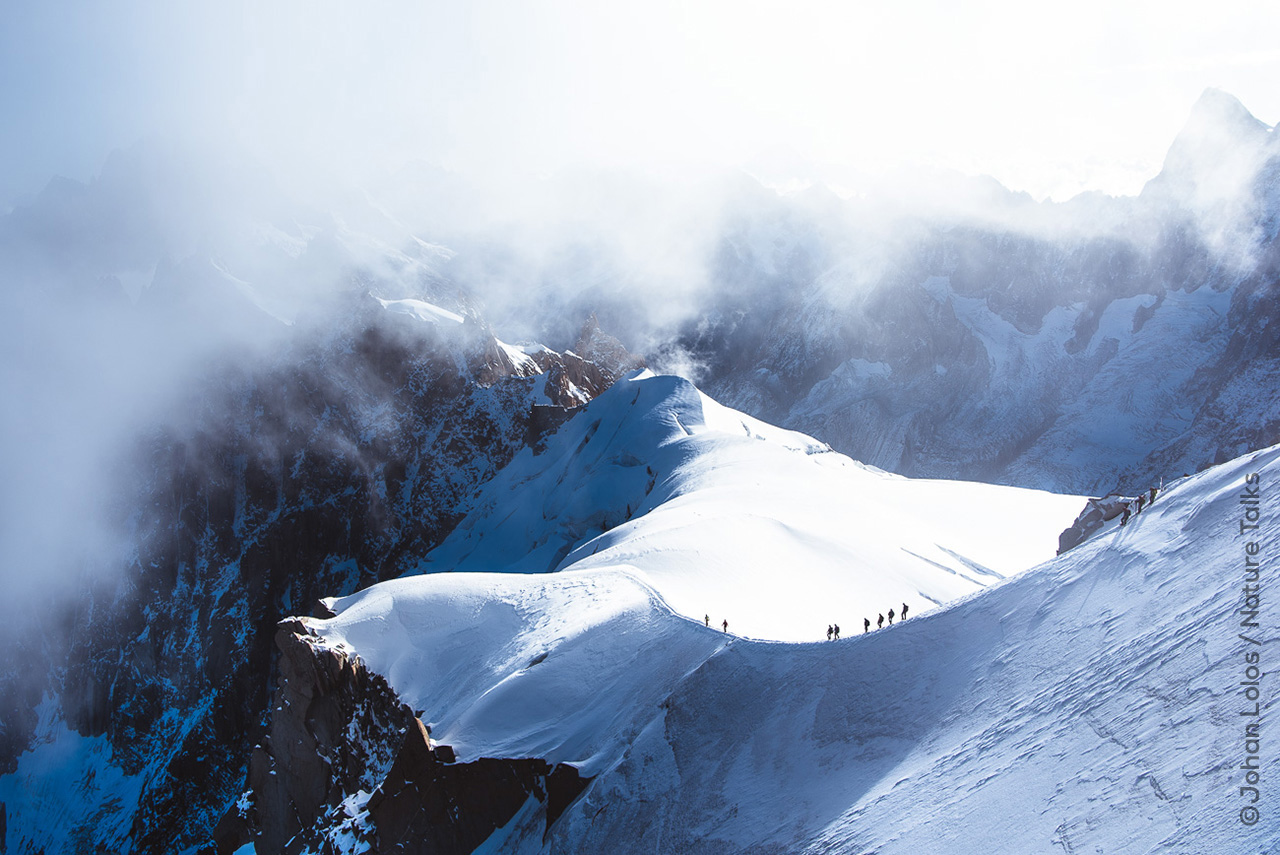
(734, 519)
(1089, 704)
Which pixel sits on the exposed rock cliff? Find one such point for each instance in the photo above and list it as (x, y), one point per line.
(346, 765)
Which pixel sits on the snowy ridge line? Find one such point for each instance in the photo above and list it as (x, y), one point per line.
(1022, 726)
(1025, 713)
(712, 506)
(692, 502)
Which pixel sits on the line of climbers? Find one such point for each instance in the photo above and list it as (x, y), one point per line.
(1139, 502)
(833, 631)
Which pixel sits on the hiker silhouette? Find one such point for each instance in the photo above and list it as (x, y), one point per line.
(904, 611)
(880, 622)
(890, 617)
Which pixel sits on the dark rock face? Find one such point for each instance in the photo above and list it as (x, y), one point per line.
(429, 805)
(345, 757)
(1095, 513)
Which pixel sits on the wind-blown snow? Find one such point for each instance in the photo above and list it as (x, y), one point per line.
(716, 509)
(421, 310)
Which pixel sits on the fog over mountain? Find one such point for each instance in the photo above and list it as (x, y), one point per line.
(899, 326)
(237, 386)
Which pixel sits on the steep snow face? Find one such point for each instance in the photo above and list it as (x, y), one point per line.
(1094, 703)
(1096, 356)
(1145, 352)
(713, 507)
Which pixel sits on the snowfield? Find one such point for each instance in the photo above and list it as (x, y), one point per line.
(1091, 704)
(512, 666)
(733, 519)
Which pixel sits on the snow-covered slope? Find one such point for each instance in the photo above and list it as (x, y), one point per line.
(511, 666)
(1092, 704)
(731, 518)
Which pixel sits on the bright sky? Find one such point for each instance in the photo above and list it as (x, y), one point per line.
(1048, 99)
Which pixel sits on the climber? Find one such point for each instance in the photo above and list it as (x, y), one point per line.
(726, 624)
(1124, 515)
(1153, 496)
(837, 629)
(866, 624)
(829, 631)
(890, 617)
(880, 622)
(904, 611)
(707, 619)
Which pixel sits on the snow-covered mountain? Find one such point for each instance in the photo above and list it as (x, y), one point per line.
(1096, 702)
(709, 503)
(224, 401)
(675, 502)
(1094, 345)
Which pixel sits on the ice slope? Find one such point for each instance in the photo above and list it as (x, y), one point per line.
(1092, 704)
(729, 517)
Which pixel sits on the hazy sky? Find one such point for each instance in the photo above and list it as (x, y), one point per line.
(1049, 99)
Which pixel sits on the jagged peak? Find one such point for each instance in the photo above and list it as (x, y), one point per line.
(1216, 155)
(596, 345)
(1216, 110)
(1218, 124)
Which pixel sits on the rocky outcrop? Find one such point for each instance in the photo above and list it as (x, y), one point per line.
(429, 804)
(1096, 512)
(347, 763)
(607, 353)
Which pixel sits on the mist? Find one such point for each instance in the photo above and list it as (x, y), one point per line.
(1049, 105)
(191, 182)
